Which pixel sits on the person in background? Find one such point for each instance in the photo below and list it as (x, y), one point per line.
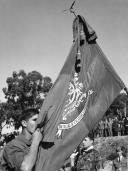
(101, 123)
(20, 154)
(88, 156)
(123, 159)
(110, 121)
(126, 125)
(115, 126)
(106, 127)
(116, 161)
(122, 126)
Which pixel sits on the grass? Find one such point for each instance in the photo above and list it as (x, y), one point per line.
(107, 148)
(108, 145)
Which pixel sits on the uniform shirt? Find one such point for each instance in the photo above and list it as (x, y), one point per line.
(88, 160)
(101, 125)
(14, 153)
(126, 122)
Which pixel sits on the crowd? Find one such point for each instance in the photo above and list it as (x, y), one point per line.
(117, 126)
(87, 158)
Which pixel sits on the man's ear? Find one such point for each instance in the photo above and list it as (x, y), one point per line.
(24, 123)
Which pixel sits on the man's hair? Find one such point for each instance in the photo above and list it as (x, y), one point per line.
(91, 135)
(28, 113)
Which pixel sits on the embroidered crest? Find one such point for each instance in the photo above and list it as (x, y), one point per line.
(76, 96)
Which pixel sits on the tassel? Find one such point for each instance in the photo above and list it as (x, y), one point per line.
(82, 37)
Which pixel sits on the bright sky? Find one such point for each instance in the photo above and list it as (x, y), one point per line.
(37, 35)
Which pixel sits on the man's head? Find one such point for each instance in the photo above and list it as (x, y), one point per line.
(87, 142)
(28, 120)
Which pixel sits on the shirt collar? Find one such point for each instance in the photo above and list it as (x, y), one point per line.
(89, 148)
(22, 138)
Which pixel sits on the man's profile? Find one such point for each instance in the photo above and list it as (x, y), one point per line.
(21, 152)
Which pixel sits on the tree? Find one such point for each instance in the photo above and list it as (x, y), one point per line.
(2, 117)
(23, 91)
(118, 105)
(116, 109)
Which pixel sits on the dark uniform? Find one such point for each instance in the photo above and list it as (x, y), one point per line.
(126, 125)
(14, 153)
(88, 160)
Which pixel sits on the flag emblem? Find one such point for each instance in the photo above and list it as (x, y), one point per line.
(76, 96)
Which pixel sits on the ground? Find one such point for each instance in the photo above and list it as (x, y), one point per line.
(107, 149)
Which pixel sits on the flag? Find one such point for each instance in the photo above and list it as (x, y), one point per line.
(82, 93)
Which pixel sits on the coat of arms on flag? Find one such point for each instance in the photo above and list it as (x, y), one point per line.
(76, 96)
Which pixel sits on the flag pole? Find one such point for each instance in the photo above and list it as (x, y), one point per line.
(78, 56)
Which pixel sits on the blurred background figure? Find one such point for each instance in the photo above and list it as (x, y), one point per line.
(115, 126)
(101, 124)
(110, 121)
(126, 125)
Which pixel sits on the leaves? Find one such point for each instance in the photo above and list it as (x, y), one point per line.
(118, 105)
(23, 91)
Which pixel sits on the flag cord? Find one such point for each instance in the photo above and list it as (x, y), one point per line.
(78, 56)
(78, 32)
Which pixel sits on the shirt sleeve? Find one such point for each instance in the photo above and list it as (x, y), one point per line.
(13, 157)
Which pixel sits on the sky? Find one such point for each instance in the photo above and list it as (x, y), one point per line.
(37, 34)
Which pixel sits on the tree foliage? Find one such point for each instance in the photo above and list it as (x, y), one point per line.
(117, 108)
(118, 105)
(23, 91)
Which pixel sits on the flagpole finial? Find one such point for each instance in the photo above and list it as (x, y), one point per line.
(71, 9)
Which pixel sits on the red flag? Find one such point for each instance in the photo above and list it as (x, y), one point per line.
(83, 91)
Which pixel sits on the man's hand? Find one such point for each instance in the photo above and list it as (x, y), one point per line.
(37, 136)
(30, 159)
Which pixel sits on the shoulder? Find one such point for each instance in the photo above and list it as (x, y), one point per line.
(11, 143)
(14, 153)
(13, 146)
